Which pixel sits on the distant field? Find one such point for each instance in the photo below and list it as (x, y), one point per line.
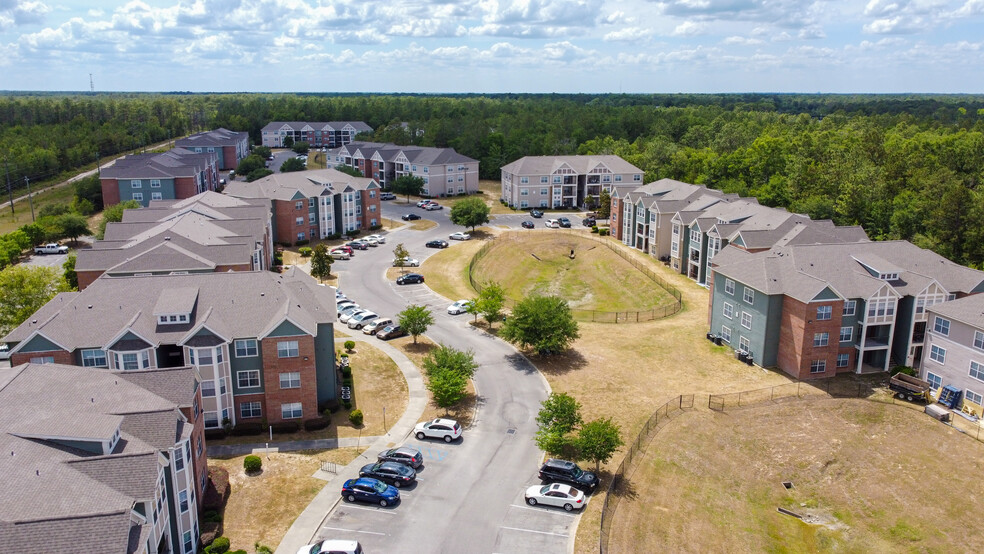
(869, 477)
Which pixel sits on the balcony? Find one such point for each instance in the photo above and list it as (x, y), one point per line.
(695, 255)
(875, 342)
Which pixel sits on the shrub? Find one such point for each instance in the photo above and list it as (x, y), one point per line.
(210, 531)
(594, 228)
(246, 429)
(286, 427)
(316, 424)
(346, 371)
(349, 345)
(334, 236)
(218, 546)
(347, 404)
(348, 381)
(252, 464)
(215, 434)
(355, 416)
(301, 242)
(375, 227)
(261, 549)
(305, 251)
(351, 232)
(603, 232)
(216, 490)
(211, 516)
(329, 407)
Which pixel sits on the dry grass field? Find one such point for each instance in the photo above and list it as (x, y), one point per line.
(864, 474)
(262, 507)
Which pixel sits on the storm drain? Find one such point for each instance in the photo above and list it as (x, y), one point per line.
(787, 484)
(511, 431)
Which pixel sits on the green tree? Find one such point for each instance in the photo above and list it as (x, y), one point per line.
(113, 214)
(301, 147)
(447, 388)
(604, 205)
(35, 232)
(470, 212)
(262, 151)
(73, 226)
(410, 185)
(23, 290)
(544, 323)
(321, 261)
(250, 163)
(89, 189)
(447, 358)
(292, 164)
(598, 440)
(288, 142)
(559, 416)
(71, 277)
(258, 174)
(400, 256)
(348, 170)
(490, 302)
(415, 320)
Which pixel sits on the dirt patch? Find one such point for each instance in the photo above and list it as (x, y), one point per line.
(262, 507)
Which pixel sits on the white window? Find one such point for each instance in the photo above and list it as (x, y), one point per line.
(743, 344)
(524, 192)
(250, 409)
(726, 333)
(823, 313)
(818, 366)
(94, 358)
(246, 348)
(749, 296)
(935, 381)
(299, 205)
(847, 334)
(941, 326)
(728, 310)
(211, 420)
(978, 340)
(746, 320)
(524, 180)
(249, 379)
(311, 201)
(695, 236)
(135, 184)
(849, 307)
(523, 204)
(299, 221)
(291, 380)
(291, 411)
(543, 179)
(977, 371)
(820, 339)
(183, 501)
(156, 196)
(937, 354)
(545, 192)
(138, 196)
(729, 286)
(43, 360)
(208, 388)
(637, 177)
(155, 183)
(186, 541)
(301, 235)
(618, 178)
(556, 179)
(972, 397)
(843, 359)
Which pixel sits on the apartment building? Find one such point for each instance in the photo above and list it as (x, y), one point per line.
(815, 310)
(262, 342)
(209, 232)
(173, 175)
(953, 353)
(444, 171)
(100, 461)
(564, 181)
(310, 205)
(329, 134)
(230, 146)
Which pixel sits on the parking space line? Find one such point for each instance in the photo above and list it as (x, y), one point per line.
(355, 531)
(542, 511)
(537, 532)
(377, 510)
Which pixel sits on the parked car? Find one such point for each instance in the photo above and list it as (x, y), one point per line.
(379, 238)
(344, 304)
(339, 254)
(445, 429)
(360, 320)
(568, 472)
(4, 351)
(589, 222)
(50, 248)
(436, 244)
(345, 247)
(366, 489)
(410, 279)
(410, 217)
(433, 206)
(376, 325)
(407, 455)
(393, 473)
(528, 225)
(387, 196)
(553, 223)
(358, 245)
(422, 203)
(556, 494)
(371, 241)
(222, 181)
(459, 307)
(333, 546)
(390, 332)
(409, 262)
(459, 236)
(536, 213)
(347, 313)
(564, 222)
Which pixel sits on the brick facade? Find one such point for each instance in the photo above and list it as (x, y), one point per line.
(796, 337)
(285, 214)
(60, 356)
(273, 366)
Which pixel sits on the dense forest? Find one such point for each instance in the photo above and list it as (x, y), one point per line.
(903, 166)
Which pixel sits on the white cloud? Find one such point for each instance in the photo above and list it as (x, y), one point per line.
(812, 32)
(743, 41)
(21, 12)
(628, 34)
(689, 29)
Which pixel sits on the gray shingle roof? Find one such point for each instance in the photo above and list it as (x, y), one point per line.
(422, 155)
(176, 384)
(969, 310)
(359, 126)
(215, 138)
(299, 184)
(582, 165)
(177, 162)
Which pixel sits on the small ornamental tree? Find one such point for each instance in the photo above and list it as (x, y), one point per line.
(447, 388)
(559, 416)
(415, 320)
(470, 212)
(408, 185)
(400, 256)
(292, 164)
(604, 205)
(490, 302)
(262, 151)
(447, 358)
(71, 277)
(544, 323)
(598, 440)
(356, 417)
(321, 262)
(301, 147)
(249, 163)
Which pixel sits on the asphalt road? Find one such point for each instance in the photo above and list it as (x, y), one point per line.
(470, 493)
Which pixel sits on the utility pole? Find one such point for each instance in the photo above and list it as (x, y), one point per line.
(29, 199)
(10, 192)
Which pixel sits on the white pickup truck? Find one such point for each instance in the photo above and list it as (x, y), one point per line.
(51, 248)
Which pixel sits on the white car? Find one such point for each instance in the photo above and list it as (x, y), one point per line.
(348, 313)
(423, 203)
(555, 494)
(553, 223)
(459, 236)
(379, 238)
(371, 242)
(446, 429)
(459, 307)
(376, 325)
(360, 320)
(340, 254)
(332, 547)
(409, 262)
(433, 206)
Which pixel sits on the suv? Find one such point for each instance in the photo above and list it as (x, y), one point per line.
(568, 472)
(564, 222)
(589, 222)
(446, 429)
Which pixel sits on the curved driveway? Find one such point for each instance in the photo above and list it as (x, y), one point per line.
(470, 493)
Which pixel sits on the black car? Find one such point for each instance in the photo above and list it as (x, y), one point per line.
(395, 474)
(589, 222)
(562, 471)
(437, 244)
(410, 279)
(403, 454)
(358, 245)
(536, 213)
(528, 225)
(409, 217)
(564, 222)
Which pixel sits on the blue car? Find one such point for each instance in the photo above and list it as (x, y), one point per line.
(370, 490)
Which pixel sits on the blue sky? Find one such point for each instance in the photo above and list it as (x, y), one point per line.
(494, 45)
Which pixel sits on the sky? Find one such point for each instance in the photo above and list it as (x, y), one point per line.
(489, 46)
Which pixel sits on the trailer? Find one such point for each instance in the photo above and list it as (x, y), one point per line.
(909, 388)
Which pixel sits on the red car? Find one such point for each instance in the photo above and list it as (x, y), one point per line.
(344, 247)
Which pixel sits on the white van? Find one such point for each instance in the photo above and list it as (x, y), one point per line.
(553, 223)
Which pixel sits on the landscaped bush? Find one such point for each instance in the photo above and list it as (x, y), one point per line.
(301, 242)
(346, 371)
(594, 228)
(252, 464)
(355, 416)
(348, 381)
(305, 251)
(349, 345)
(247, 429)
(286, 427)
(218, 546)
(211, 516)
(375, 227)
(351, 233)
(316, 424)
(210, 530)
(334, 236)
(215, 434)
(347, 404)
(603, 232)
(216, 490)
(329, 407)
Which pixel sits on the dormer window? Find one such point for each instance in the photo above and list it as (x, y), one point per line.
(173, 319)
(888, 276)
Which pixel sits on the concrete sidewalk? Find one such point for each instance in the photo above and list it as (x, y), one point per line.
(306, 526)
